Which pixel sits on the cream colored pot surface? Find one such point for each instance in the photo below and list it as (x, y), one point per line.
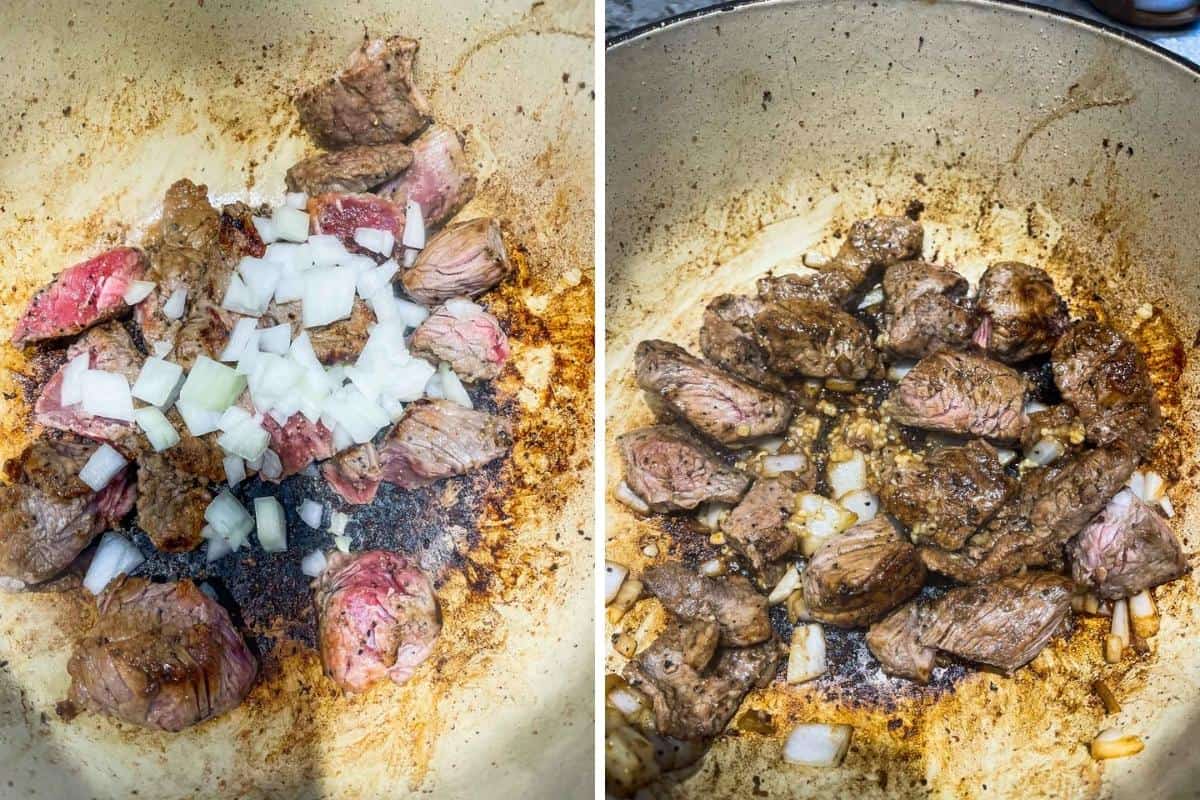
(738, 140)
(106, 105)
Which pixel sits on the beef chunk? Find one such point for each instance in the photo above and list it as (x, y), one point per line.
(1004, 623)
(81, 296)
(237, 235)
(1052, 504)
(803, 337)
(204, 332)
(372, 101)
(757, 528)
(694, 697)
(110, 349)
(463, 260)
(671, 471)
(723, 408)
(731, 602)
(856, 578)
(925, 310)
(465, 336)
(963, 394)
(1126, 549)
(341, 215)
(1102, 374)
(298, 443)
(161, 655)
(946, 495)
(378, 617)
(439, 439)
(47, 515)
(893, 642)
(1023, 316)
(355, 474)
(349, 171)
(170, 504)
(832, 285)
(440, 179)
(727, 340)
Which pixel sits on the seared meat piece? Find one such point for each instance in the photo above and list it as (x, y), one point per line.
(856, 578)
(465, 336)
(1057, 422)
(893, 642)
(110, 349)
(440, 179)
(945, 496)
(961, 393)
(671, 471)
(237, 237)
(349, 171)
(439, 439)
(727, 340)
(1052, 505)
(925, 310)
(872, 245)
(757, 528)
(1102, 374)
(341, 214)
(695, 694)
(804, 337)
(378, 618)
(739, 611)
(1125, 549)
(170, 504)
(463, 260)
(341, 341)
(355, 474)
(204, 332)
(1004, 623)
(298, 443)
(1023, 316)
(372, 101)
(161, 655)
(723, 408)
(81, 296)
(48, 516)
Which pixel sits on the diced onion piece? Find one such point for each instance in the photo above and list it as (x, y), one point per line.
(627, 700)
(261, 278)
(296, 200)
(352, 410)
(775, 465)
(820, 519)
(338, 522)
(270, 524)
(711, 515)
(342, 543)
(1143, 616)
(627, 496)
(103, 465)
(411, 313)
(453, 387)
(713, 567)
(247, 439)
(771, 444)
(328, 295)
(1114, 648)
(814, 259)
(266, 229)
(789, 583)
(614, 576)
(272, 466)
(235, 470)
(157, 382)
(106, 394)
(1167, 507)
(291, 224)
(218, 546)
(1120, 622)
(241, 337)
(629, 760)
(229, 519)
(276, 340)
(817, 745)
(627, 595)
(840, 385)
(1047, 450)
(342, 440)
(328, 250)
(212, 386)
(1005, 456)
(410, 256)
(289, 289)
(1153, 487)
(897, 371)
(199, 421)
(232, 417)
(863, 504)
(176, 304)
(373, 280)
(375, 240)
(414, 225)
(162, 349)
(872, 298)
(241, 300)
(314, 564)
(311, 512)
(1035, 406)
(138, 291)
(72, 384)
(1112, 743)
(847, 476)
(115, 555)
(158, 429)
(806, 657)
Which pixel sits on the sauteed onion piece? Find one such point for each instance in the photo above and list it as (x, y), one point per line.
(314, 563)
(775, 465)
(629, 498)
(103, 465)
(115, 555)
(138, 291)
(1112, 743)
(806, 658)
(789, 583)
(1143, 616)
(817, 745)
(614, 576)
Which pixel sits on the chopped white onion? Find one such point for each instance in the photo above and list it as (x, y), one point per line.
(1143, 615)
(361, 417)
(817, 745)
(342, 440)
(314, 564)
(614, 576)
(241, 337)
(327, 250)
(1167, 507)
(261, 278)
(266, 229)
(199, 421)
(106, 394)
(162, 349)
(412, 314)
(229, 519)
(373, 280)
(713, 567)
(627, 700)
(72, 384)
(272, 467)
(270, 524)
(789, 583)
(212, 386)
(1047, 450)
(342, 543)
(627, 496)
(872, 298)
(863, 504)
(847, 476)
(247, 439)
(410, 257)
(1035, 406)
(414, 225)
(103, 465)
(897, 371)
(138, 291)
(158, 429)
(806, 657)
(1120, 622)
(821, 519)
(232, 417)
(296, 200)
(115, 555)
(375, 240)
(218, 546)
(235, 470)
(276, 340)
(241, 300)
(775, 465)
(338, 522)
(176, 304)
(1005, 456)
(311, 513)
(453, 387)
(328, 295)
(291, 224)
(158, 382)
